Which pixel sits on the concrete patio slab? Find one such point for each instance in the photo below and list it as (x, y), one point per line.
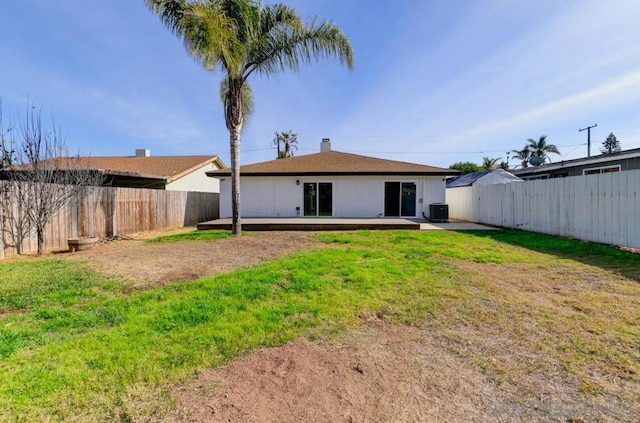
(456, 226)
(337, 224)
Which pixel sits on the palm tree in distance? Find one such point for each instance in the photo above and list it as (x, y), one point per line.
(541, 148)
(241, 37)
(523, 155)
(489, 163)
(289, 141)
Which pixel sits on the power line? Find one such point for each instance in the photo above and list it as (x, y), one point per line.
(435, 152)
(414, 152)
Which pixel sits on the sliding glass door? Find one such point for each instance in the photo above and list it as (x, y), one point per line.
(318, 198)
(400, 199)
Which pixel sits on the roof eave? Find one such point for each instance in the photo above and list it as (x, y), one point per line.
(212, 159)
(583, 161)
(111, 172)
(216, 174)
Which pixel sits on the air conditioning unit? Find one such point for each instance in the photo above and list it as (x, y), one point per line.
(438, 212)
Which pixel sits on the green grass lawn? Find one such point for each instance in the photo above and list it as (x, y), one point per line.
(211, 235)
(73, 342)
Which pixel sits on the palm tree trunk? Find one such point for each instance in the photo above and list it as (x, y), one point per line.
(234, 119)
(234, 140)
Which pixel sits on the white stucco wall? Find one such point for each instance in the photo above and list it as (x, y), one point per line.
(196, 181)
(434, 191)
(353, 196)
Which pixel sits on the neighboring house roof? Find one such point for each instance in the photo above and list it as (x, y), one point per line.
(487, 177)
(602, 159)
(334, 163)
(166, 168)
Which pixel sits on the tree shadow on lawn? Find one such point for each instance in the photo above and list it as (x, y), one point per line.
(607, 257)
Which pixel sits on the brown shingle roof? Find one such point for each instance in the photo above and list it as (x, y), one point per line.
(335, 163)
(168, 168)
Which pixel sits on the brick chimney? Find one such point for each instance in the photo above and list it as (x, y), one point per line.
(325, 145)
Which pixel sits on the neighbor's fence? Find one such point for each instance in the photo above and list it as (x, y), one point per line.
(602, 208)
(106, 212)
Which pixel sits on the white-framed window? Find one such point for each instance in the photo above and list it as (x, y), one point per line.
(603, 169)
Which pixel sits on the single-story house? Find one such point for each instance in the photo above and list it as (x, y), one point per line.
(172, 173)
(486, 177)
(603, 163)
(334, 184)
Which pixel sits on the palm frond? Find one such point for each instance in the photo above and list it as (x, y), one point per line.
(279, 15)
(245, 15)
(285, 47)
(523, 154)
(540, 147)
(170, 13)
(489, 163)
(210, 35)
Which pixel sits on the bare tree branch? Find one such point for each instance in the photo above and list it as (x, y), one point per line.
(40, 178)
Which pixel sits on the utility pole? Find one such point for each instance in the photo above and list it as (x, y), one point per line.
(588, 129)
(276, 141)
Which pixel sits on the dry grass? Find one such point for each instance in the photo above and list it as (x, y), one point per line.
(148, 264)
(563, 332)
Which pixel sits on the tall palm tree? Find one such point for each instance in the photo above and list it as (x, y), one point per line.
(241, 37)
(541, 148)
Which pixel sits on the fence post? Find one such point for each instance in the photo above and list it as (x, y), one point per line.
(74, 216)
(91, 200)
(2, 222)
(113, 215)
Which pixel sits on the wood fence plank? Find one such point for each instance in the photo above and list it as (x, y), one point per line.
(109, 211)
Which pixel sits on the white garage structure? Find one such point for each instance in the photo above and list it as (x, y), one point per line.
(334, 184)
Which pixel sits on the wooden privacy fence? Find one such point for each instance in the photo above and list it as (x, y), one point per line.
(601, 208)
(105, 212)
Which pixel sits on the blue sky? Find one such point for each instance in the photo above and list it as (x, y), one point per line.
(435, 81)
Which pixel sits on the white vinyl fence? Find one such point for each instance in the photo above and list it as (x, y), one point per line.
(601, 208)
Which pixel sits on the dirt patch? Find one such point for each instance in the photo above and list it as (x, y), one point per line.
(467, 366)
(147, 264)
(378, 373)
(381, 373)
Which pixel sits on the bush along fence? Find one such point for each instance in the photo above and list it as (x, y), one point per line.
(105, 212)
(602, 208)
